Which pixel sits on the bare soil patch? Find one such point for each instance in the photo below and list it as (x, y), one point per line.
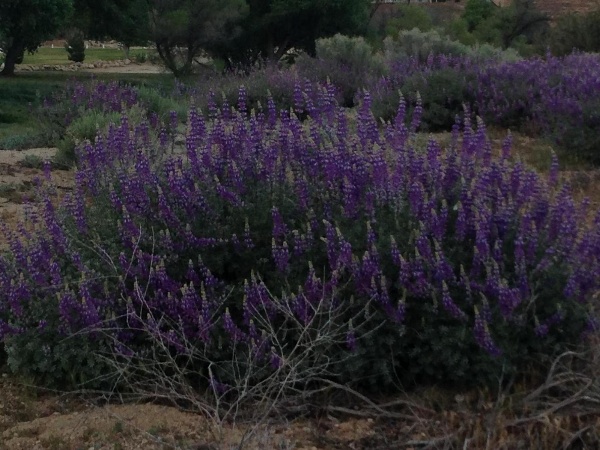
(18, 182)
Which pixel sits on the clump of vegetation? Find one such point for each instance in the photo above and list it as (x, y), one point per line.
(269, 232)
(75, 46)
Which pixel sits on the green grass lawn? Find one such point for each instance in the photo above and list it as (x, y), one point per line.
(47, 55)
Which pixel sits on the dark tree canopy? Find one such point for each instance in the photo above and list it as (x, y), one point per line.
(183, 29)
(273, 27)
(126, 21)
(25, 24)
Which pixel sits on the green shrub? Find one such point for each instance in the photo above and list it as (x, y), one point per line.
(476, 12)
(576, 32)
(488, 52)
(32, 162)
(155, 100)
(23, 141)
(348, 62)
(345, 50)
(52, 359)
(83, 128)
(422, 44)
(443, 94)
(410, 17)
(140, 57)
(75, 47)
(458, 30)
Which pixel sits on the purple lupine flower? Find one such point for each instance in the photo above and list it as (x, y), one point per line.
(449, 304)
(281, 256)
(482, 335)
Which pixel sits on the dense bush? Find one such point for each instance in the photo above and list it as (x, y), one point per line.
(441, 264)
(444, 84)
(75, 47)
(422, 44)
(262, 83)
(576, 32)
(444, 94)
(558, 97)
(348, 62)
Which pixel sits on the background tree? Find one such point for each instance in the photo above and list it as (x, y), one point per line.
(521, 20)
(183, 29)
(25, 24)
(273, 27)
(477, 11)
(126, 21)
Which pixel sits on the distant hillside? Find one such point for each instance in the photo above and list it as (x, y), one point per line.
(445, 11)
(440, 12)
(556, 8)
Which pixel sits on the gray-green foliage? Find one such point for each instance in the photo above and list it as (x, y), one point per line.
(348, 62)
(23, 141)
(161, 103)
(422, 44)
(32, 162)
(85, 127)
(348, 51)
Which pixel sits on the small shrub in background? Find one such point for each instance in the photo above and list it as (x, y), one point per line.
(162, 102)
(140, 57)
(85, 127)
(458, 30)
(348, 62)
(23, 141)
(75, 46)
(32, 162)
(409, 17)
(422, 44)
(444, 94)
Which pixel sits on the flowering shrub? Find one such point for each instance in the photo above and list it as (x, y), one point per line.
(444, 84)
(347, 62)
(441, 264)
(75, 113)
(557, 97)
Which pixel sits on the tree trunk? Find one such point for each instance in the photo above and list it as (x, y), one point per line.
(13, 54)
